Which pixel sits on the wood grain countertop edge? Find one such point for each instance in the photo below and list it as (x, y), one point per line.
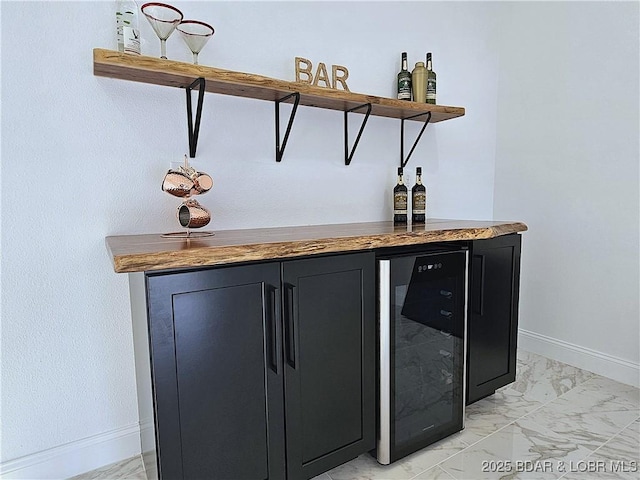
(206, 256)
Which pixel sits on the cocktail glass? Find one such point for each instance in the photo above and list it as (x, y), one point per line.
(163, 19)
(196, 34)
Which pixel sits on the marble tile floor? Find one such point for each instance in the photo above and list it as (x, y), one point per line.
(555, 421)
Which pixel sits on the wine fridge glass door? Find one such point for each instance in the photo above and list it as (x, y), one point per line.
(426, 311)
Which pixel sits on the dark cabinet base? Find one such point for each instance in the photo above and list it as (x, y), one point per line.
(256, 372)
(218, 405)
(267, 370)
(330, 367)
(492, 330)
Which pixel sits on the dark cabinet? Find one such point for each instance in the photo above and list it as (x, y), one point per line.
(330, 363)
(262, 371)
(217, 387)
(492, 328)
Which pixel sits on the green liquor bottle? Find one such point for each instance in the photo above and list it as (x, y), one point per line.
(400, 201)
(431, 81)
(418, 199)
(404, 80)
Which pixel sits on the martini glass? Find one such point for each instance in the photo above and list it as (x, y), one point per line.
(196, 35)
(163, 19)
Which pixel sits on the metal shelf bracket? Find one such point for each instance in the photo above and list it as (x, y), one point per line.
(194, 131)
(349, 155)
(280, 150)
(403, 161)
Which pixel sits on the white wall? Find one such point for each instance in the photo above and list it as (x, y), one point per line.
(83, 157)
(567, 165)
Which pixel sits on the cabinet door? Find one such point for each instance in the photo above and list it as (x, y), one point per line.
(493, 315)
(329, 361)
(217, 373)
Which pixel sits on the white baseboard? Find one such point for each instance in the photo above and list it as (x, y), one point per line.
(76, 457)
(603, 364)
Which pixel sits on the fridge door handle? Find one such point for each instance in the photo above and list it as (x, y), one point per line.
(290, 324)
(477, 295)
(385, 380)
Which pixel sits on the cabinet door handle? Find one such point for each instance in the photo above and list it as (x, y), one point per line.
(271, 295)
(290, 303)
(478, 284)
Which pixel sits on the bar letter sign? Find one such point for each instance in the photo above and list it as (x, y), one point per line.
(339, 74)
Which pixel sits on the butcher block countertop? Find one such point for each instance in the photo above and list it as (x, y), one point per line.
(140, 253)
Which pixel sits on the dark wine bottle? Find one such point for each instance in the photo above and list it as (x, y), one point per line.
(431, 81)
(400, 200)
(404, 80)
(418, 199)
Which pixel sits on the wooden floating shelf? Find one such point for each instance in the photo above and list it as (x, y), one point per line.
(157, 71)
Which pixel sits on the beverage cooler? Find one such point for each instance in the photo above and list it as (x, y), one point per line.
(422, 330)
